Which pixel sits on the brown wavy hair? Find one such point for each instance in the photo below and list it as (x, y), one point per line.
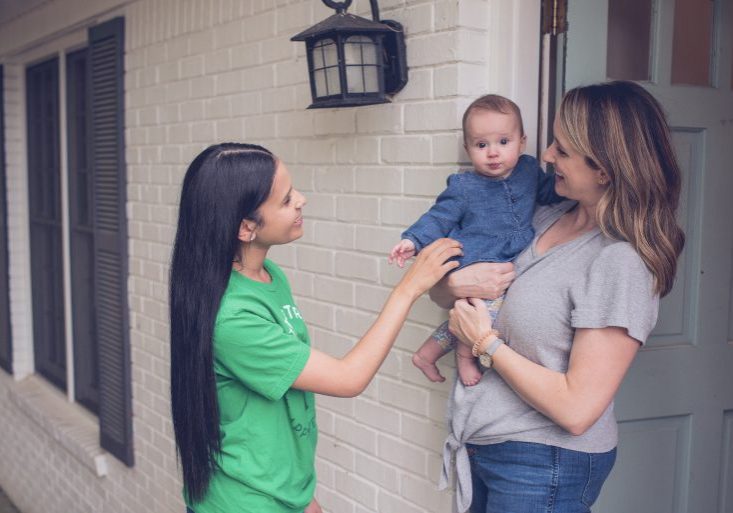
(621, 129)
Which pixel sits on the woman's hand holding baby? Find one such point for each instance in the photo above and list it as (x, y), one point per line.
(469, 320)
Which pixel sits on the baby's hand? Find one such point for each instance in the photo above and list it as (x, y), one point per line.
(402, 252)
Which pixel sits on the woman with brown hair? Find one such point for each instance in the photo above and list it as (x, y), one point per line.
(538, 433)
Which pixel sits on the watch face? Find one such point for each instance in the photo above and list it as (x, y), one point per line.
(485, 360)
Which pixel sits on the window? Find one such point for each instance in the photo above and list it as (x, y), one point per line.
(95, 229)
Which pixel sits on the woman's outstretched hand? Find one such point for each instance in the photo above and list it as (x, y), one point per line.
(431, 264)
(469, 320)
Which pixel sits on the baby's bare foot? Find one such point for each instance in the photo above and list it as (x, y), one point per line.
(468, 370)
(429, 369)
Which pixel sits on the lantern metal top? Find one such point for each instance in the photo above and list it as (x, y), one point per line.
(342, 22)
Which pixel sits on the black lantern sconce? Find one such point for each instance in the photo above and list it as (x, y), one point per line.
(354, 61)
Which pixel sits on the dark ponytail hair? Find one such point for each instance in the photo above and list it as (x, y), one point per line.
(224, 184)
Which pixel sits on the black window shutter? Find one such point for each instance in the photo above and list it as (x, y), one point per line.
(106, 46)
(6, 342)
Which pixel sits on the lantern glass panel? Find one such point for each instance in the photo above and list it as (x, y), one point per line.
(333, 81)
(360, 50)
(325, 53)
(319, 79)
(361, 56)
(362, 79)
(325, 68)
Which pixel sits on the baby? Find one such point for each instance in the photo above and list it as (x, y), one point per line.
(489, 210)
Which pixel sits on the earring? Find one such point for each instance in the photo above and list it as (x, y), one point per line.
(253, 236)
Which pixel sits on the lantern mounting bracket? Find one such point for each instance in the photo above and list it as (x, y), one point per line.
(339, 7)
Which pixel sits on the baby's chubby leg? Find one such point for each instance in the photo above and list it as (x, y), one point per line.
(434, 347)
(467, 365)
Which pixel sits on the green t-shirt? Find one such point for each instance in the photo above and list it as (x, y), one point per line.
(268, 429)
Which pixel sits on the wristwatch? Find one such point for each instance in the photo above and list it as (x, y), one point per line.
(486, 358)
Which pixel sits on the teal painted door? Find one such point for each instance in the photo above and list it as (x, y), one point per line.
(676, 405)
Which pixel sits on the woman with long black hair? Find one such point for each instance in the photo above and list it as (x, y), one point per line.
(243, 373)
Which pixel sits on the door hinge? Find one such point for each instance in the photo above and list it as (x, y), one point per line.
(554, 16)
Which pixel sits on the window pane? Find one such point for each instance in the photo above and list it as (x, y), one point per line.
(318, 61)
(360, 50)
(371, 79)
(319, 77)
(44, 206)
(81, 233)
(693, 29)
(355, 79)
(325, 68)
(629, 39)
(362, 79)
(333, 81)
(325, 53)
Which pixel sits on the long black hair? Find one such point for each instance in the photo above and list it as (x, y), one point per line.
(224, 184)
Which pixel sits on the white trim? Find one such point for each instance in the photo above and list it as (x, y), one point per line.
(513, 58)
(65, 226)
(21, 309)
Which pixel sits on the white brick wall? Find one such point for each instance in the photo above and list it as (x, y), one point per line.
(202, 71)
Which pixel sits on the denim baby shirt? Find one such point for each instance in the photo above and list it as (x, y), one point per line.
(491, 217)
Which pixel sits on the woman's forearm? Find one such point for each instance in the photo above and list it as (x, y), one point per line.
(350, 375)
(442, 295)
(488, 280)
(362, 362)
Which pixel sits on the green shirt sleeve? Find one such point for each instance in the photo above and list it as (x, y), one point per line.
(258, 352)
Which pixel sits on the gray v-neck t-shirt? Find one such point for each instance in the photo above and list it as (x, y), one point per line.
(589, 282)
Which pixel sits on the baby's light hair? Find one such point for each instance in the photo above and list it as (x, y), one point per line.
(494, 103)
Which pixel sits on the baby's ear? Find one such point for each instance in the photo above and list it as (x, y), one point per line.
(523, 143)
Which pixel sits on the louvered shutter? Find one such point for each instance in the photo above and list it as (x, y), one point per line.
(5, 339)
(106, 44)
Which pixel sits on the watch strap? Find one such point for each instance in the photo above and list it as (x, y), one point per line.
(477, 345)
(494, 346)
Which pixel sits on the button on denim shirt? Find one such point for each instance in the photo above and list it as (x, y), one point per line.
(491, 217)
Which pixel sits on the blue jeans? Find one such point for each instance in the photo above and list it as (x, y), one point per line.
(523, 477)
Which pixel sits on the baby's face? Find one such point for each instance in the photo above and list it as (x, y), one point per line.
(493, 142)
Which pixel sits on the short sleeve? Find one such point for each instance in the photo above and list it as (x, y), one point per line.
(259, 353)
(618, 291)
